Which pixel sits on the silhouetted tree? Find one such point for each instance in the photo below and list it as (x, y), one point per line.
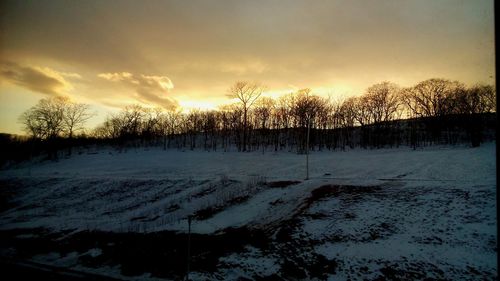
(263, 112)
(169, 125)
(432, 97)
(382, 101)
(437, 110)
(74, 117)
(247, 93)
(53, 117)
(45, 120)
(476, 99)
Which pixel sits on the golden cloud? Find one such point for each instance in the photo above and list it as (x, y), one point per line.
(148, 88)
(38, 79)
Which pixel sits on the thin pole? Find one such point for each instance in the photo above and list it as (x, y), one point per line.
(307, 148)
(189, 247)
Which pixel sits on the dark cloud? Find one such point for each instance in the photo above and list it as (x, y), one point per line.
(41, 80)
(148, 88)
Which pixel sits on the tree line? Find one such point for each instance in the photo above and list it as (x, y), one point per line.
(432, 111)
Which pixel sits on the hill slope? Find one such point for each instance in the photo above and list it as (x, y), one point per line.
(389, 213)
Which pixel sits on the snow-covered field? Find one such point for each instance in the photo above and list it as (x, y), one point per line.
(363, 214)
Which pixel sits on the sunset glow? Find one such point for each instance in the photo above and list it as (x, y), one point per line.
(186, 54)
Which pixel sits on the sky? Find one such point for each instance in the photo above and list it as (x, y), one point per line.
(186, 54)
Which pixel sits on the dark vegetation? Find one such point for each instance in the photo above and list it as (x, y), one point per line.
(435, 111)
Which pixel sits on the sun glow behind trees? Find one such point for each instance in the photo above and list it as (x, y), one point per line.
(254, 121)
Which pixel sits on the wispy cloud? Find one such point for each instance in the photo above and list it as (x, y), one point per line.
(38, 79)
(115, 77)
(148, 88)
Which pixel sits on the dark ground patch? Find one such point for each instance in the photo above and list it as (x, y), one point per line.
(163, 254)
(330, 190)
(8, 191)
(347, 192)
(13, 270)
(282, 184)
(211, 211)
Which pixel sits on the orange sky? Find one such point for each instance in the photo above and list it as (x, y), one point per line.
(188, 53)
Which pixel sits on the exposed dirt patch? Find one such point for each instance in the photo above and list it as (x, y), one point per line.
(346, 192)
(329, 190)
(211, 211)
(282, 184)
(410, 271)
(145, 218)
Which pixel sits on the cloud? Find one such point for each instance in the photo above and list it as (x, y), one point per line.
(119, 76)
(148, 88)
(70, 75)
(305, 43)
(38, 79)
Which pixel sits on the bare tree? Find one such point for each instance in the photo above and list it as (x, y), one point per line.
(45, 120)
(132, 118)
(151, 124)
(247, 93)
(432, 97)
(111, 128)
(383, 101)
(283, 119)
(489, 94)
(32, 124)
(263, 114)
(52, 117)
(347, 112)
(169, 124)
(254, 122)
(305, 111)
(75, 116)
(361, 107)
(476, 99)
(128, 123)
(345, 118)
(193, 125)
